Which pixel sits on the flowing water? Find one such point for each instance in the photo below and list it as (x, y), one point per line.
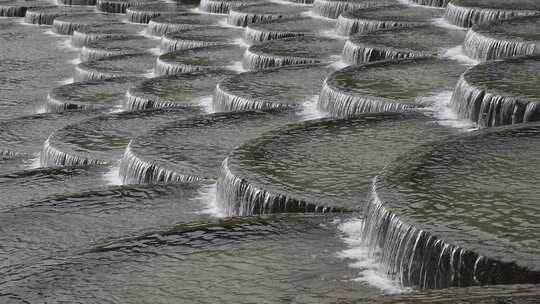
(229, 151)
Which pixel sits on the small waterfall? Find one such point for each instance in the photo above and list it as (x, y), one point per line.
(225, 102)
(489, 110)
(217, 7)
(12, 11)
(253, 61)
(133, 170)
(80, 75)
(161, 28)
(41, 17)
(171, 44)
(134, 103)
(244, 19)
(114, 7)
(348, 26)
(167, 68)
(417, 258)
(339, 104)
(80, 39)
(256, 35)
(55, 105)
(435, 3)
(359, 54)
(143, 17)
(66, 27)
(78, 2)
(469, 16)
(237, 197)
(332, 9)
(51, 156)
(89, 54)
(480, 47)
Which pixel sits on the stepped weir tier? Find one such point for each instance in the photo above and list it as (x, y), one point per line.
(269, 151)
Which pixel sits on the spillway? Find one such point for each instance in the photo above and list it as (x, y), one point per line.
(193, 149)
(397, 43)
(333, 8)
(317, 166)
(199, 37)
(196, 59)
(503, 38)
(292, 51)
(466, 13)
(46, 15)
(387, 86)
(223, 6)
(102, 139)
(372, 19)
(89, 95)
(84, 36)
(130, 65)
(185, 89)
(144, 13)
(165, 24)
(118, 6)
(447, 231)
(286, 27)
(434, 3)
(66, 25)
(249, 14)
(498, 93)
(270, 88)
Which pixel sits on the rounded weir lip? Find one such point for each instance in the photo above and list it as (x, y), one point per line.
(292, 51)
(191, 38)
(397, 43)
(290, 86)
(114, 46)
(185, 89)
(45, 15)
(193, 149)
(438, 222)
(286, 27)
(502, 38)
(84, 36)
(18, 8)
(201, 58)
(333, 8)
(305, 167)
(498, 93)
(466, 13)
(119, 6)
(162, 25)
(248, 14)
(144, 13)
(386, 86)
(434, 3)
(376, 18)
(67, 24)
(130, 65)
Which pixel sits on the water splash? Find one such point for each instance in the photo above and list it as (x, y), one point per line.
(206, 103)
(310, 110)
(484, 48)
(439, 106)
(66, 81)
(370, 270)
(52, 156)
(457, 53)
(225, 102)
(206, 196)
(238, 67)
(254, 61)
(112, 176)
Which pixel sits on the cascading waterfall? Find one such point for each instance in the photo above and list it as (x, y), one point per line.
(481, 47)
(114, 7)
(339, 104)
(225, 102)
(168, 68)
(54, 105)
(134, 103)
(80, 39)
(237, 197)
(51, 156)
(469, 16)
(254, 61)
(417, 258)
(217, 7)
(171, 44)
(78, 2)
(89, 54)
(161, 28)
(435, 3)
(139, 16)
(12, 11)
(256, 35)
(134, 170)
(332, 9)
(67, 27)
(244, 19)
(80, 74)
(359, 54)
(348, 26)
(41, 17)
(490, 110)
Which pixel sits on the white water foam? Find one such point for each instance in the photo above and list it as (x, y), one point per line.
(145, 34)
(112, 176)
(75, 61)
(311, 14)
(282, 2)
(456, 53)
(439, 107)
(441, 22)
(310, 110)
(224, 23)
(331, 33)
(370, 271)
(241, 42)
(237, 67)
(150, 74)
(339, 63)
(33, 163)
(197, 10)
(155, 51)
(206, 102)
(66, 81)
(206, 196)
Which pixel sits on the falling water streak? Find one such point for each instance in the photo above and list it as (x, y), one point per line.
(80, 75)
(439, 105)
(309, 110)
(206, 196)
(255, 35)
(456, 53)
(332, 9)
(206, 103)
(432, 3)
(134, 170)
(38, 17)
(171, 44)
(168, 68)
(490, 110)
(79, 39)
(370, 270)
(480, 47)
(293, 2)
(112, 176)
(216, 7)
(339, 104)
(134, 102)
(51, 156)
(469, 16)
(12, 11)
(354, 53)
(161, 28)
(415, 257)
(443, 23)
(253, 61)
(226, 102)
(114, 7)
(89, 54)
(348, 26)
(236, 18)
(142, 17)
(237, 196)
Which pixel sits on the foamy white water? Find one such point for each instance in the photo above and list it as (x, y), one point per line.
(206, 103)
(66, 81)
(145, 34)
(237, 67)
(441, 22)
(310, 110)
(74, 61)
(66, 45)
(339, 64)
(369, 270)
(313, 15)
(439, 106)
(242, 43)
(155, 51)
(206, 196)
(33, 163)
(456, 53)
(332, 35)
(112, 176)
